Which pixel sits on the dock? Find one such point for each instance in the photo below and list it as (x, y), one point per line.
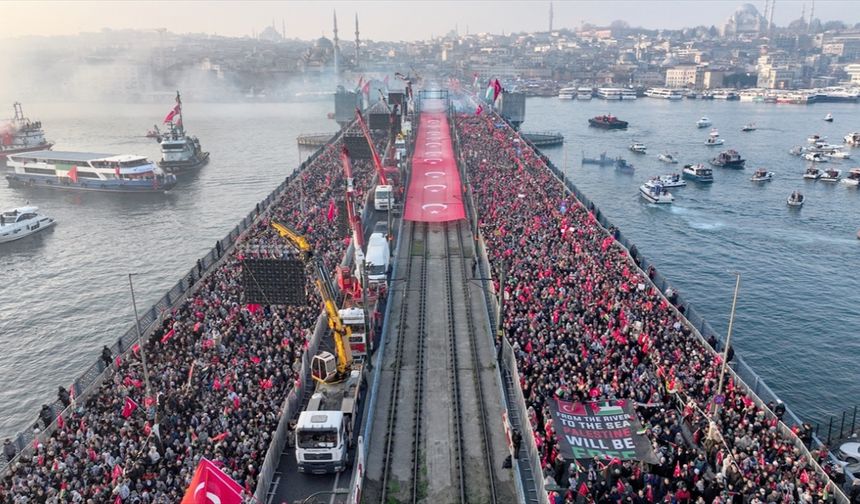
(313, 140)
(544, 138)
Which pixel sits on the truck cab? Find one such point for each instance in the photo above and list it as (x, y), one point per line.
(383, 197)
(354, 319)
(377, 257)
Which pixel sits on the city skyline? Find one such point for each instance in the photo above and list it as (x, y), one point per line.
(379, 20)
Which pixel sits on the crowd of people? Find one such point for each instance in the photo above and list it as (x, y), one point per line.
(586, 324)
(218, 368)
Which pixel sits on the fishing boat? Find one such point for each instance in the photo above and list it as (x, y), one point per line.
(20, 134)
(87, 171)
(853, 178)
(729, 159)
(607, 122)
(828, 117)
(22, 221)
(815, 157)
(749, 127)
(795, 200)
(704, 122)
(761, 175)
(638, 148)
(714, 138)
(623, 166)
(672, 180)
(654, 192)
(831, 175)
(852, 139)
(667, 158)
(603, 160)
(698, 173)
(812, 173)
(180, 153)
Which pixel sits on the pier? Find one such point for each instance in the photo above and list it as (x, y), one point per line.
(313, 140)
(544, 138)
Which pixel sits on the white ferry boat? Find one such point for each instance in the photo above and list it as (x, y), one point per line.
(20, 222)
(584, 93)
(654, 192)
(567, 93)
(20, 134)
(664, 93)
(628, 94)
(725, 94)
(86, 171)
(609, 93)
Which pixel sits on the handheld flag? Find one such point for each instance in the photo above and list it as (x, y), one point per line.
(210, 484)
(129, 407)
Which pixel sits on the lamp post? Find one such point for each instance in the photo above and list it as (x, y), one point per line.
(139, 339)
(717, 401)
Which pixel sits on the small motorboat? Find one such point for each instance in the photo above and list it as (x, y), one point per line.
(667, 158)
(22, 221)
(749, 127)
(623, 166)
(812, 173)
(672, 180)
(729, 159)
(838, 154)
(815, 139)
(831, 175)
(761, 175)
(815, 157)
(795, 200)
(638, 148)
(154, 133)
(698, 173)
(704, 122)
(828, 117)
(853, 178)
(852, 139)
(797, 150)
(654, 192)
(714, 138)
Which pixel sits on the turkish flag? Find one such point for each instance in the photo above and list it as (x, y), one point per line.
(73, 174)
(497, 89)
(170, 115)
(129, 407)
(210, 485)
(331, 211)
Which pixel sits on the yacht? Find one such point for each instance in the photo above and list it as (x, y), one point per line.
(815, 157)
(828, 117)
(20, 222)
(704, 122)
(795, 200)
(698, 173)
(638, 147)
(812, 173)
(831, 175)
(667, 158)
(654, 192)
(714, 138)
(584, 93)
(852, 139)
(567, 93)
(762, 176)
(673, 180)
(748, 127)
(853, 178)
(729, 159)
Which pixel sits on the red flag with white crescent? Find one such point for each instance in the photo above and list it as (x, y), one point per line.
(211, 485)
(73, 174)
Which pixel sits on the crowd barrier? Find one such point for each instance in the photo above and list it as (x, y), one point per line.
(88, 383)
(742, 373)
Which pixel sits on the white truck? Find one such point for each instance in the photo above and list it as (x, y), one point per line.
(383, 197)
(377, 256)
(324, 430)
(353, 317)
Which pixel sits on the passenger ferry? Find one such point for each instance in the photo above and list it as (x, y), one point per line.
(725, 94)
(664, 93)
(20, 134)
(23, 221)
(567, 93)
(698, 173)
(584, 93)
(609, 93)
(85, 171)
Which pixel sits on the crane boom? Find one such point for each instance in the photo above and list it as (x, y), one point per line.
(377, 162)
(354, 221)
(327, 292)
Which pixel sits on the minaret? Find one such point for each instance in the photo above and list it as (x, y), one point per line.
(357, 41)
(770, 20)
(336, 49)
(550, 17)
(811, 16)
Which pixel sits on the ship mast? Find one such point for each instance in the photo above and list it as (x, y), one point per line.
(181, 127)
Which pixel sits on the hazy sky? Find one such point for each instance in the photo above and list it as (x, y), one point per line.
(384, 20)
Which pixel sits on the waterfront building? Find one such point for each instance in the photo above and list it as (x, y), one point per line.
(683, 76)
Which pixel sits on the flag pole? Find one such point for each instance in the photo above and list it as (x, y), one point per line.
(140, 341)
(725, 358)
